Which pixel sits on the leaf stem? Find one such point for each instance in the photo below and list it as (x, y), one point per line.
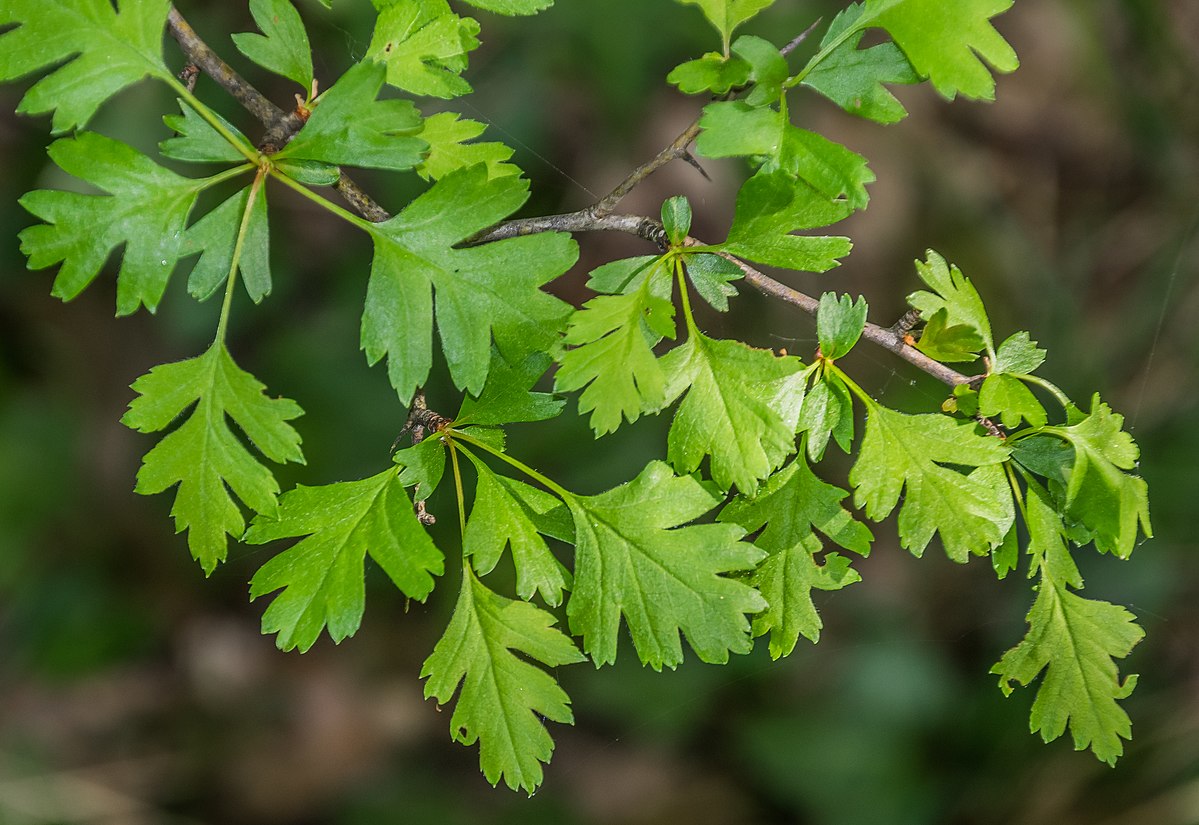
(324, 203)
(862, 395)
(545, 481)
(221, 177)
(1050, 387)
(238, 246)
(248, 152)
(692, 329)
(458, 488)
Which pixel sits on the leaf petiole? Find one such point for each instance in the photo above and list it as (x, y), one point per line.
(551, 485)
(324, 203)
(213, 121)
(238, 246)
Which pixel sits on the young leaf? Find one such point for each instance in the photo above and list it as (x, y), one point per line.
(146, 209)
(853, 78)
(509, 513)
(712, 74)
(282, 47)
(349, 127)
(1074, 640)
(711, 276)
(827, 411)
(512, 7)
(447, 135)
(483, 292)
(839, 324)
(215, 236)
(947, 42)
(1009, 398)
(770, 206)
(789, 506)
(98, 50)
(424, 46)
(1110, 502)
(727, 15)
(733, 409)
(504, 698)
(953, 293)
(202, 455)
(323, 575)
(971, 512)
(423, 465)
(1019, 354)
(630, 562)
(949, 344)
(676, 218)
(768, 69)
(197, 141)
(613, 338)
(507, 397)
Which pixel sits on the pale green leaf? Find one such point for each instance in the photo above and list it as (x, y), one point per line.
(447, 134)
(424, 46)
(1019, 354)
(827, 411)
(711, 74)
(1010, 398)
(952, 292)
(839, 324)
(727, 15)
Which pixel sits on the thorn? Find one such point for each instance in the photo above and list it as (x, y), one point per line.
(691, 161)
(795, 44)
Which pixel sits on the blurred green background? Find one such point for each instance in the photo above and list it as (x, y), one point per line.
(132, 690)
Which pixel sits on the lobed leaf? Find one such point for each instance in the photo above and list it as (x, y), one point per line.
(447, 134)
(424, 46)
(839, 324)
(283, 46)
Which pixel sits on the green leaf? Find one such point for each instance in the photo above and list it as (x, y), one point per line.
(612, 356)
(1112, 504)
(827, 411)
(349, 127)
(627, 274)
(952, 292)
(768, 69)
(789, 506)
(839, 324)
(1009, 398)
(311, 172)
(283, 46)
(447, 134)
(1019, 354)
(1074, 640)
(323, 575)
(512, 7)
(947, 42)
(146, 208)
(713, 74)
(1047, 537)
(949, 344)
(423, 465)
(504, 698)
(711, 276)
(202, 455)
(676, 218)
(424, 46)
(727, 15)
(769, 207)
(853, 78)
(507, 397)
(483, 292)
(971, 512)
(98, 51)
(1006, 556)
(215, 236)
(735, 409)
(198, 141)
(506, 513)
(629, 562)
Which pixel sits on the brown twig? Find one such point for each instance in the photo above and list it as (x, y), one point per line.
(795, 44)
(280, 125)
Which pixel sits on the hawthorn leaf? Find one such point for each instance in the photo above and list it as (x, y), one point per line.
(506, 513)
(310, 172)
(729, 411)
(1075, 642)
(768, 69)
(422, 465)
(146, 209)
(676, 219)
(972, 512)
(711, 276)
(1019, 355)
(949, 343)
(947, 42)
(92, 49)
(839, 324)
(827, 411)
(790, 505)
(350, 127)
(853, 78)
(512, 8)
(1009, 398)
(711, 74)
(504, 699)
(633, 559)
(612, 339)
(197, 141)
(770, 206)
(486, 292)
(1006, 557)
(734, 128)
(1110, 502)
(447, 134)
(1047, 537)
(727, 15)
(215, 237)
(508, 397)
(283, 46)
(627, 274)
(424, 46)
(202, 455)
(952, 292)
(322, 577)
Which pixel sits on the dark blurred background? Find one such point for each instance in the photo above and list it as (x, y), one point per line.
(132, 690)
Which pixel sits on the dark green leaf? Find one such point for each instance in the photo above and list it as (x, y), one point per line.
(282, 47)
